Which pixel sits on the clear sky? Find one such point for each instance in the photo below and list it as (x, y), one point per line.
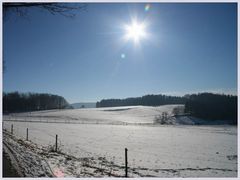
(187, 48)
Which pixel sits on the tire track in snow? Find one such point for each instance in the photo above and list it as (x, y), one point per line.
(27, 160)
(13, 158)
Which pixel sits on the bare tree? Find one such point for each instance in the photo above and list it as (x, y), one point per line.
(21, 9)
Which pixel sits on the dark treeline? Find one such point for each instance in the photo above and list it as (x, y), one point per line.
(207, 106)
(22, 102)
(148, 100)
(212, 106)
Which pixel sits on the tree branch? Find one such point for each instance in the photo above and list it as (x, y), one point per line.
(64, 9)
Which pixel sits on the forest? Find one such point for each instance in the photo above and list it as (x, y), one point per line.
(212, 106)
(22, 102)
(147, 100)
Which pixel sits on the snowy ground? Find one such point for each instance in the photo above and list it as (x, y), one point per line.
(115, 115)
(95, 146)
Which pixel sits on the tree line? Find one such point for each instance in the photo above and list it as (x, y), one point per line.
(22, 102)
(207, 106)
(147, 100)
(212, 106)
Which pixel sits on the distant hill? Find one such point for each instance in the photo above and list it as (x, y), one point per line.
(208, 106)
(83, 105)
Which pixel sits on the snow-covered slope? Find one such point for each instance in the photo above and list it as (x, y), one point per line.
(112, 115)
(83, 105)
(115, 115)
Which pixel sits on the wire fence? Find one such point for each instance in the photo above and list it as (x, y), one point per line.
(32, 135)
(133, 167)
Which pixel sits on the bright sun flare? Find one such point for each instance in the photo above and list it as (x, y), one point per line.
(135, 31)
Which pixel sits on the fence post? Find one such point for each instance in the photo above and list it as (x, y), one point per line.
(12, 129)
(27, 135)
(126, 163)
(56, 142)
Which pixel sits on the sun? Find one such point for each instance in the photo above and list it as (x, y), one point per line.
(135, 31)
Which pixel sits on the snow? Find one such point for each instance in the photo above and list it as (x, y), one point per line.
(113, 115)
(94, 147)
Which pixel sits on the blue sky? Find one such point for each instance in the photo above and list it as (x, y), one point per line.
(190, 48)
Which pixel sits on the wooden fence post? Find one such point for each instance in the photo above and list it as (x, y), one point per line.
(126, 163)
(56, 142)
(12, 129)
(27, 135)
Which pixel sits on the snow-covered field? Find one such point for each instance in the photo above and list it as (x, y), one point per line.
(102, 134)
(114, 115)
